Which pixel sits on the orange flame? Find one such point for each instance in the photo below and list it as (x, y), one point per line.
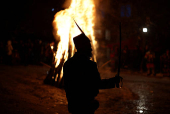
(83, 11)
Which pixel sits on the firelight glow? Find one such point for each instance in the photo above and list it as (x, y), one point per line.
(83, 12)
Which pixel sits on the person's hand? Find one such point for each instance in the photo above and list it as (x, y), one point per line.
(117, 79)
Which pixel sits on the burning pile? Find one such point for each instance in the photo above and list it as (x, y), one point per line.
(83, 11)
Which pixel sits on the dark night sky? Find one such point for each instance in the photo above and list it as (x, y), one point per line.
(27, 8)
(36, 15)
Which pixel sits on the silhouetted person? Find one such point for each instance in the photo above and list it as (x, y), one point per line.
(125, 57)
(9, 50)
(146, 49)
(150, 56)
(82, 80)
(165, 63)
(114, 58)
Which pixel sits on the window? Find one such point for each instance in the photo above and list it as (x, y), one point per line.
(125, 11)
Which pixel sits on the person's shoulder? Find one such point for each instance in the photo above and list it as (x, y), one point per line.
(70, 60)
(92, 63)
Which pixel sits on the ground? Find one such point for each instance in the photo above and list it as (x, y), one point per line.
(22, 92)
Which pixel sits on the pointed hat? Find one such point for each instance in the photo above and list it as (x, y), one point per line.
(81, 41)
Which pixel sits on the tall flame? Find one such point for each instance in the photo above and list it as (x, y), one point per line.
(83, 11)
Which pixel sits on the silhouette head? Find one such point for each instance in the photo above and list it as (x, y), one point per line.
(82, 43)
(9, 42)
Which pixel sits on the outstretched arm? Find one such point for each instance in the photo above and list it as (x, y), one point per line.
(105, 83)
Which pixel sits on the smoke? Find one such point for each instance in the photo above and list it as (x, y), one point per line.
(103, 11)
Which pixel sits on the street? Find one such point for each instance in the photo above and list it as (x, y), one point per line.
(22, 92)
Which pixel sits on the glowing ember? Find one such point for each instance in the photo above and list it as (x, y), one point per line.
(83, 11)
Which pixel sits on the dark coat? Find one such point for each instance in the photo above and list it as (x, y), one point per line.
(82, 82)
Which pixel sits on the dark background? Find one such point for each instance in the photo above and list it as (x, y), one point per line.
(29, 18)
(33, 18)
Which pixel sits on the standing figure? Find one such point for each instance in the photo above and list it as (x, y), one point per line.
(114, 56)
(9, 50)
(125, 57)
(150, 57)
(165, 63)
(144, 60)
(82, 80)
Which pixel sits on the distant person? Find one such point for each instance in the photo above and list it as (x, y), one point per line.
(48, 54)
(114, 56)
(30, 51)
(165, 63)
(82, 80)
(150, 57)
(144, 60)
(38, 52)
(125, 57)
(9, 50)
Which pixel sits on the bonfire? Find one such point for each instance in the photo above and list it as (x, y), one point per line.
(83, 12)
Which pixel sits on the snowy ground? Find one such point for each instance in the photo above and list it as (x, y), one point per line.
(22, 92)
